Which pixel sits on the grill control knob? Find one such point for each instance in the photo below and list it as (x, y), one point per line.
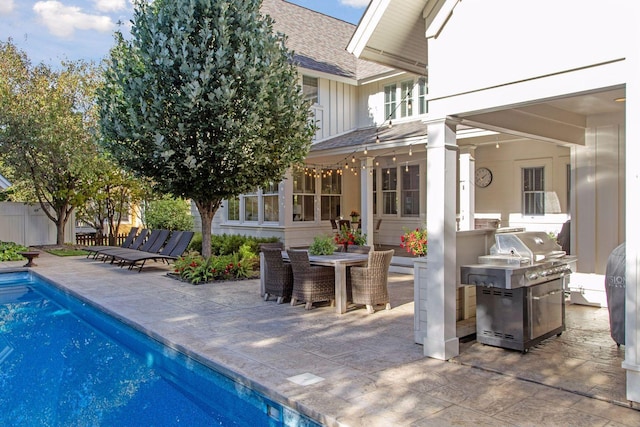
(532, 275)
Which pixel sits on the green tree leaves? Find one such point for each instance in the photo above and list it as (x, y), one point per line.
(46, 130)
(204, 101)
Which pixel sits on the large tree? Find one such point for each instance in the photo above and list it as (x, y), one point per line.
(204, 100)
(46, 130)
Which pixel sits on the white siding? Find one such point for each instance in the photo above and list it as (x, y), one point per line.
(521, 40)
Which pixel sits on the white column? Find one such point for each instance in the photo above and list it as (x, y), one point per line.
(438, 301)
(467, 192)
(632, 319)
(366, 198)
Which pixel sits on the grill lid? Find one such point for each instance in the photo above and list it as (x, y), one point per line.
(523, 248)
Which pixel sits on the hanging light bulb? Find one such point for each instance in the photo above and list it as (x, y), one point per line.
(497, 145)
(365, 150)
(346, 165)
(394, 157)
(353, 159)
(377, 138)
(410, 151)
(406, 167)
(390, 124)
(363, 166)
(377, 163)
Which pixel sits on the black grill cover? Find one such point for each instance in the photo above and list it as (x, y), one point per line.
(615, 284)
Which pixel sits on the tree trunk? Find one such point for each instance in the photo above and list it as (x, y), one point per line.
(207, 210)
(60, 223)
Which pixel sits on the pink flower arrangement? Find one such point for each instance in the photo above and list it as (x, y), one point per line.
(415, 241)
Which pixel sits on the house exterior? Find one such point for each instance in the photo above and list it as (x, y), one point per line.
(559, 77)
(354, 101)
(523, 124)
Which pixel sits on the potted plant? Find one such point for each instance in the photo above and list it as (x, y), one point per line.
(346, 237)
(322, 245)
(415, 241)
(354, 216)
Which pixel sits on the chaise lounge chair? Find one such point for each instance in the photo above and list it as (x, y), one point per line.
(169, 252)
(151, 242)
(93, 250)
(137, 243)
(154, 246)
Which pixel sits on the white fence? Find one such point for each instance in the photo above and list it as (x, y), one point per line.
(28, 225)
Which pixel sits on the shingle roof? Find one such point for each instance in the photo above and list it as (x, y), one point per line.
(357, 137)
(319, 41)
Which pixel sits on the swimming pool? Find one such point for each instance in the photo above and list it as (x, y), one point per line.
(63, 362)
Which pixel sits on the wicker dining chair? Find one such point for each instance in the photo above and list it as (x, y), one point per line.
(369, 284)
(278, 278)
(311, 283)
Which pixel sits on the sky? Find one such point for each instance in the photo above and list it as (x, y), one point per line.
(54, 30)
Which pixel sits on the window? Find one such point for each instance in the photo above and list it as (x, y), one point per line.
(407, 98)
(310, 89)
(304, 189)
(389, 186)
(270, 205)
(533, 191)
(390, 102)
(331, 189)
(251, 206)
(233, 209)
(411, 191)
(422, 96)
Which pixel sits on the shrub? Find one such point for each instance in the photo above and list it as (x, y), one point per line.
(322, 245)
(226, 244)
(195, 269)
(9, 251)
(169, 214)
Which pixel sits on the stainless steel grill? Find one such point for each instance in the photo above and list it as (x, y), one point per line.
(520, 290)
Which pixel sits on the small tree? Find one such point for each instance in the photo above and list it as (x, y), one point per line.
(46, 130)
(204, 101)
(113, 192)
(168, 213)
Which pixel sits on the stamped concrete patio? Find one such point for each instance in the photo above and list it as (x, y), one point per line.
(358, 369)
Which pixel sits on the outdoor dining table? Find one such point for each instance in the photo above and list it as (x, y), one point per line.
(340, 261)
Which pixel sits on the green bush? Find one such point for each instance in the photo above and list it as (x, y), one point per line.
(322, 245)
(9, 251)
(168, 214)
(195, 269)
(227, 244)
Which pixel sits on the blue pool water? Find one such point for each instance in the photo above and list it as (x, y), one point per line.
(64, 363)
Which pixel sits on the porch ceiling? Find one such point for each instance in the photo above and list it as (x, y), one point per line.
(562, 120)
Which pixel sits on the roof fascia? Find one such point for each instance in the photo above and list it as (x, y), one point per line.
(367, 26)
(436, 15)
(383, 76)
(320, 74)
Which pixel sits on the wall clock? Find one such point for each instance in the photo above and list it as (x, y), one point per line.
(484, 176)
